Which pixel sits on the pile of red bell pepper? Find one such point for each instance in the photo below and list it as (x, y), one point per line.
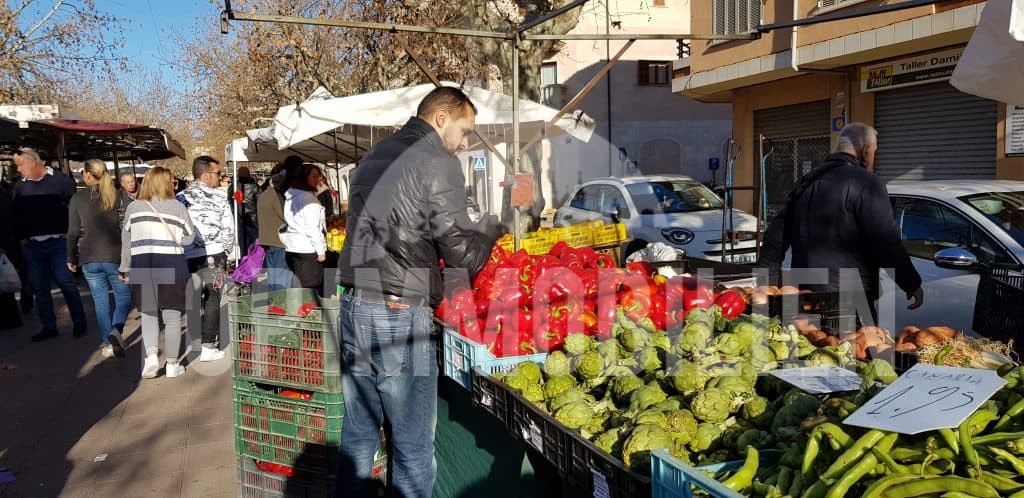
(522, 304)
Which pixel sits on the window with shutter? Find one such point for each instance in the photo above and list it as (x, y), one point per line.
(827, 5)
(733, 17)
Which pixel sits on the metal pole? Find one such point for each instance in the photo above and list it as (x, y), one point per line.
(514, 150)
(234, 211)
(241, 16)
(608, 81)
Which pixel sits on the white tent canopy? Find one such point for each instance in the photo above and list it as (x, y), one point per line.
(358, 121)
(990, 66)
(259, 146)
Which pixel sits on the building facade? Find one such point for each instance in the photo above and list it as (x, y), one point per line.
(797, 87)
(642, 128)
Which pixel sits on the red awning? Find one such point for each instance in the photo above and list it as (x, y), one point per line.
(85, 139)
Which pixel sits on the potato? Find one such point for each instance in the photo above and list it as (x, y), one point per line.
(759, 299)
(874, 335)
(946, 333)
(832, 341)
(925, 338)
(788, 289)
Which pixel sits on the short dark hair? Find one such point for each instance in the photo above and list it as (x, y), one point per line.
(291, 164)
(451, 99)
(201, 165)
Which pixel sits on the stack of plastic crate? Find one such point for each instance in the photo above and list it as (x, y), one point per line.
(288, 402)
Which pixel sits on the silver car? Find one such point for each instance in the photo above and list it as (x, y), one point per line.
(949, 228)
(673, 209)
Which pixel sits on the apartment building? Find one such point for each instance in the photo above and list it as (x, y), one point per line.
(642, 128)
(798, 87)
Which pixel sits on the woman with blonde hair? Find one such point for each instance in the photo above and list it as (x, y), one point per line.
(94, 243)
(157, 229)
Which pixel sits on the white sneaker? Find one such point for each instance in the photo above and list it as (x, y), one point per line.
(174, 369)
(152, 366)
(107, 352)
(211, 354)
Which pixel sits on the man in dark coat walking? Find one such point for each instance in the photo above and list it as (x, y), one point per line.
(838, 217)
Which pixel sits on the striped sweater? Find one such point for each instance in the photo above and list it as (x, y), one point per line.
(146, 234)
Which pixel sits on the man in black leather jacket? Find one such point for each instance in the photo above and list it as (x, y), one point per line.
(838, 216)
(407, 210)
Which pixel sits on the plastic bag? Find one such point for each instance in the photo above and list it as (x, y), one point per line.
(9, 280)
(655, 252)
(250, 266)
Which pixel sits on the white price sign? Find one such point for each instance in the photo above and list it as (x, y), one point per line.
(927, 397)
(820, 380)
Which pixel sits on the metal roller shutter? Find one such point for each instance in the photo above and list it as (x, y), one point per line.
(799, 136)
(934, 132)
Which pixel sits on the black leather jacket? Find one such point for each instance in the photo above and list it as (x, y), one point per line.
(840, 217)
(407, 210)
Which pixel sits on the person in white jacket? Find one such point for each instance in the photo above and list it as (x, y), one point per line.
(303, 233)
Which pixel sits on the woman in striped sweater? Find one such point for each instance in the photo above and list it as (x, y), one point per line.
(157, 229)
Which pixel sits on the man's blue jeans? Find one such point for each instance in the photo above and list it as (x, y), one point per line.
(102, 278)
(390, 371)
(278, 275)
(46, 261)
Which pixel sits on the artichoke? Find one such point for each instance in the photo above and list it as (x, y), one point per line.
(634, 339)
(731, 344)
(681, 424)
(661, 341)
(557, 364)
(780, 350)
(754, 437)
(697, 315)
(574, 415)
(636, 452)
(646, 397)
(529, 370)
(672, 403)
(755, 410)
(609, 442)
(588, 365)
(706, 437)
(558, 385)
(733, 384)
(622, 386)
(712, 405)
(609, 351)
(571, 396)
(648, 360)
(516, 381)
(577, 344)
(533, 392)
(688, 377)
(650, 416)
(693, 338)
(877, 370)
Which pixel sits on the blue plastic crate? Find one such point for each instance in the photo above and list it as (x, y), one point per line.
(671, 478)
(462, 354)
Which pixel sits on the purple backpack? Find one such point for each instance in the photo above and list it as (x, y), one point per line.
(250, 266)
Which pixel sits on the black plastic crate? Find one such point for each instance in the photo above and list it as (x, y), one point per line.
(998, 313)
(826, 304)
(537, 429)
(715, 270)
(593, 469)
(490, 395)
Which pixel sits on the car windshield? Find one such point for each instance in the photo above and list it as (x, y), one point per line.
(1005, 209)
(680, 196)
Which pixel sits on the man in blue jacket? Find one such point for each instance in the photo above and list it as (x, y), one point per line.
(41, 198)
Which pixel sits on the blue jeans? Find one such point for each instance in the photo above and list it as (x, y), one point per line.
(278, 275)
(46, 262)
(102, 278)
(390, 370)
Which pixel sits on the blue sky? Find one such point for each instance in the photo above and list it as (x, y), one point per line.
(150, 26)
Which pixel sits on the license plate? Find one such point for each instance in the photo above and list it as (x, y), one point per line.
(742, 258)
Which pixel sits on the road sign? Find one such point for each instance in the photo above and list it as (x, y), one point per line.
(479, 163)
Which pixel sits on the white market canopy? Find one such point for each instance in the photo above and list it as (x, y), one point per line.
(259, 146)
(990, 66)
(358, 121)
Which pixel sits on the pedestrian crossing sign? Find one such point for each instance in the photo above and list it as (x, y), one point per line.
(479, 163)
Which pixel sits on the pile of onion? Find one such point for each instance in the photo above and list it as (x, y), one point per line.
(912, 338)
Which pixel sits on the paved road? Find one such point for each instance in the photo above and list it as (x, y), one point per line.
(74, 424)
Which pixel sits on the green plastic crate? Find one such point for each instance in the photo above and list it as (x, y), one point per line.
(299, 433)
(256, 483)
(287, 350)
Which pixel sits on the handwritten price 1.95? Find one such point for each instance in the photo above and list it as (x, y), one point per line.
(911, 399)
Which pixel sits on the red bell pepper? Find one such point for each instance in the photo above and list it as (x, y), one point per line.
(588, 256)
(519, 259)
(559, 248)
(471, 329)
(701, 298)
(606, 306)
(588, 277)
(513, 297)
(603, 261)
(589, 319)
(640, 267)
(658, 310)
(608, 282)
(635, 305)
(731, 303)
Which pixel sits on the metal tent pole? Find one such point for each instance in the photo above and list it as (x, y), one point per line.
(514, 149)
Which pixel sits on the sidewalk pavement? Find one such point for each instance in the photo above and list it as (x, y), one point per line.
(77, 425)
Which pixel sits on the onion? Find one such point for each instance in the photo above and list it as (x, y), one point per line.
(942, 331)
(759, 299)
(925, 338)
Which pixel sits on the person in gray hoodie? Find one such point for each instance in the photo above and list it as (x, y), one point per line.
(214, 243)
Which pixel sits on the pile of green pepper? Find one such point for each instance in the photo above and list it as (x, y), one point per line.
(983, 457)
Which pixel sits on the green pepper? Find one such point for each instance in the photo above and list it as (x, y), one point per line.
(852, 455)
(970, 454)
(1009, 415)
(836, 436)
(940, 484)
(861, 468)
(1003, 484)
(811, 452)
(941, 355)
(976, 423)
(997, 437)
(883, 456)
(1014, 462)
(950, 437)
(956, 494)
(876, 489)
(745, 475)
